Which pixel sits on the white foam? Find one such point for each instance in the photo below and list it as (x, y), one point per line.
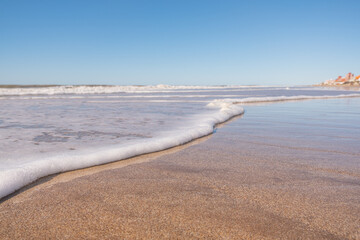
(84, 89)
(21, 97)
(19, 175)
(55, 90)
(279, 98)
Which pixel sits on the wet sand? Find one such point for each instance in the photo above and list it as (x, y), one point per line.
(233, 185)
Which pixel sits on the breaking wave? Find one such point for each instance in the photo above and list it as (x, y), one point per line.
(84, 89)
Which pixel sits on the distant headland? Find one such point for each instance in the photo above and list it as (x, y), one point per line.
(349, 79)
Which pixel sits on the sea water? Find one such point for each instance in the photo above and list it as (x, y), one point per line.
(46, 130)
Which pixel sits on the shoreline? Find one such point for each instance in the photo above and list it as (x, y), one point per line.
(56, 178)
(14, 178)
(242, 112)
(242, 182)
(120, 163)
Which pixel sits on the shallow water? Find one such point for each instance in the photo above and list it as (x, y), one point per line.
(321, 133)
(49, 130)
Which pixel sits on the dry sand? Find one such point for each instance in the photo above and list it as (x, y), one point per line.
(226, 187)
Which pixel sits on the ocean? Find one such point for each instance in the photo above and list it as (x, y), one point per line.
(52, 129)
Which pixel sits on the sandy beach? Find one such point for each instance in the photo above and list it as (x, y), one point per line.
(230, 185)
(179, 120)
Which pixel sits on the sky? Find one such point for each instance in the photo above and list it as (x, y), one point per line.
(178, 42)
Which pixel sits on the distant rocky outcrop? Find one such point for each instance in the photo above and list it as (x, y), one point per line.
(349, 79)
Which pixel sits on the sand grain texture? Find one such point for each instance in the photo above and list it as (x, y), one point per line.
(228, 187)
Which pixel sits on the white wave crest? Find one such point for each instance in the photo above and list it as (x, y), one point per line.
(84, 89)
(218, 102)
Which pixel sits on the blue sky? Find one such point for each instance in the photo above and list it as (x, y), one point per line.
(180, 42)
